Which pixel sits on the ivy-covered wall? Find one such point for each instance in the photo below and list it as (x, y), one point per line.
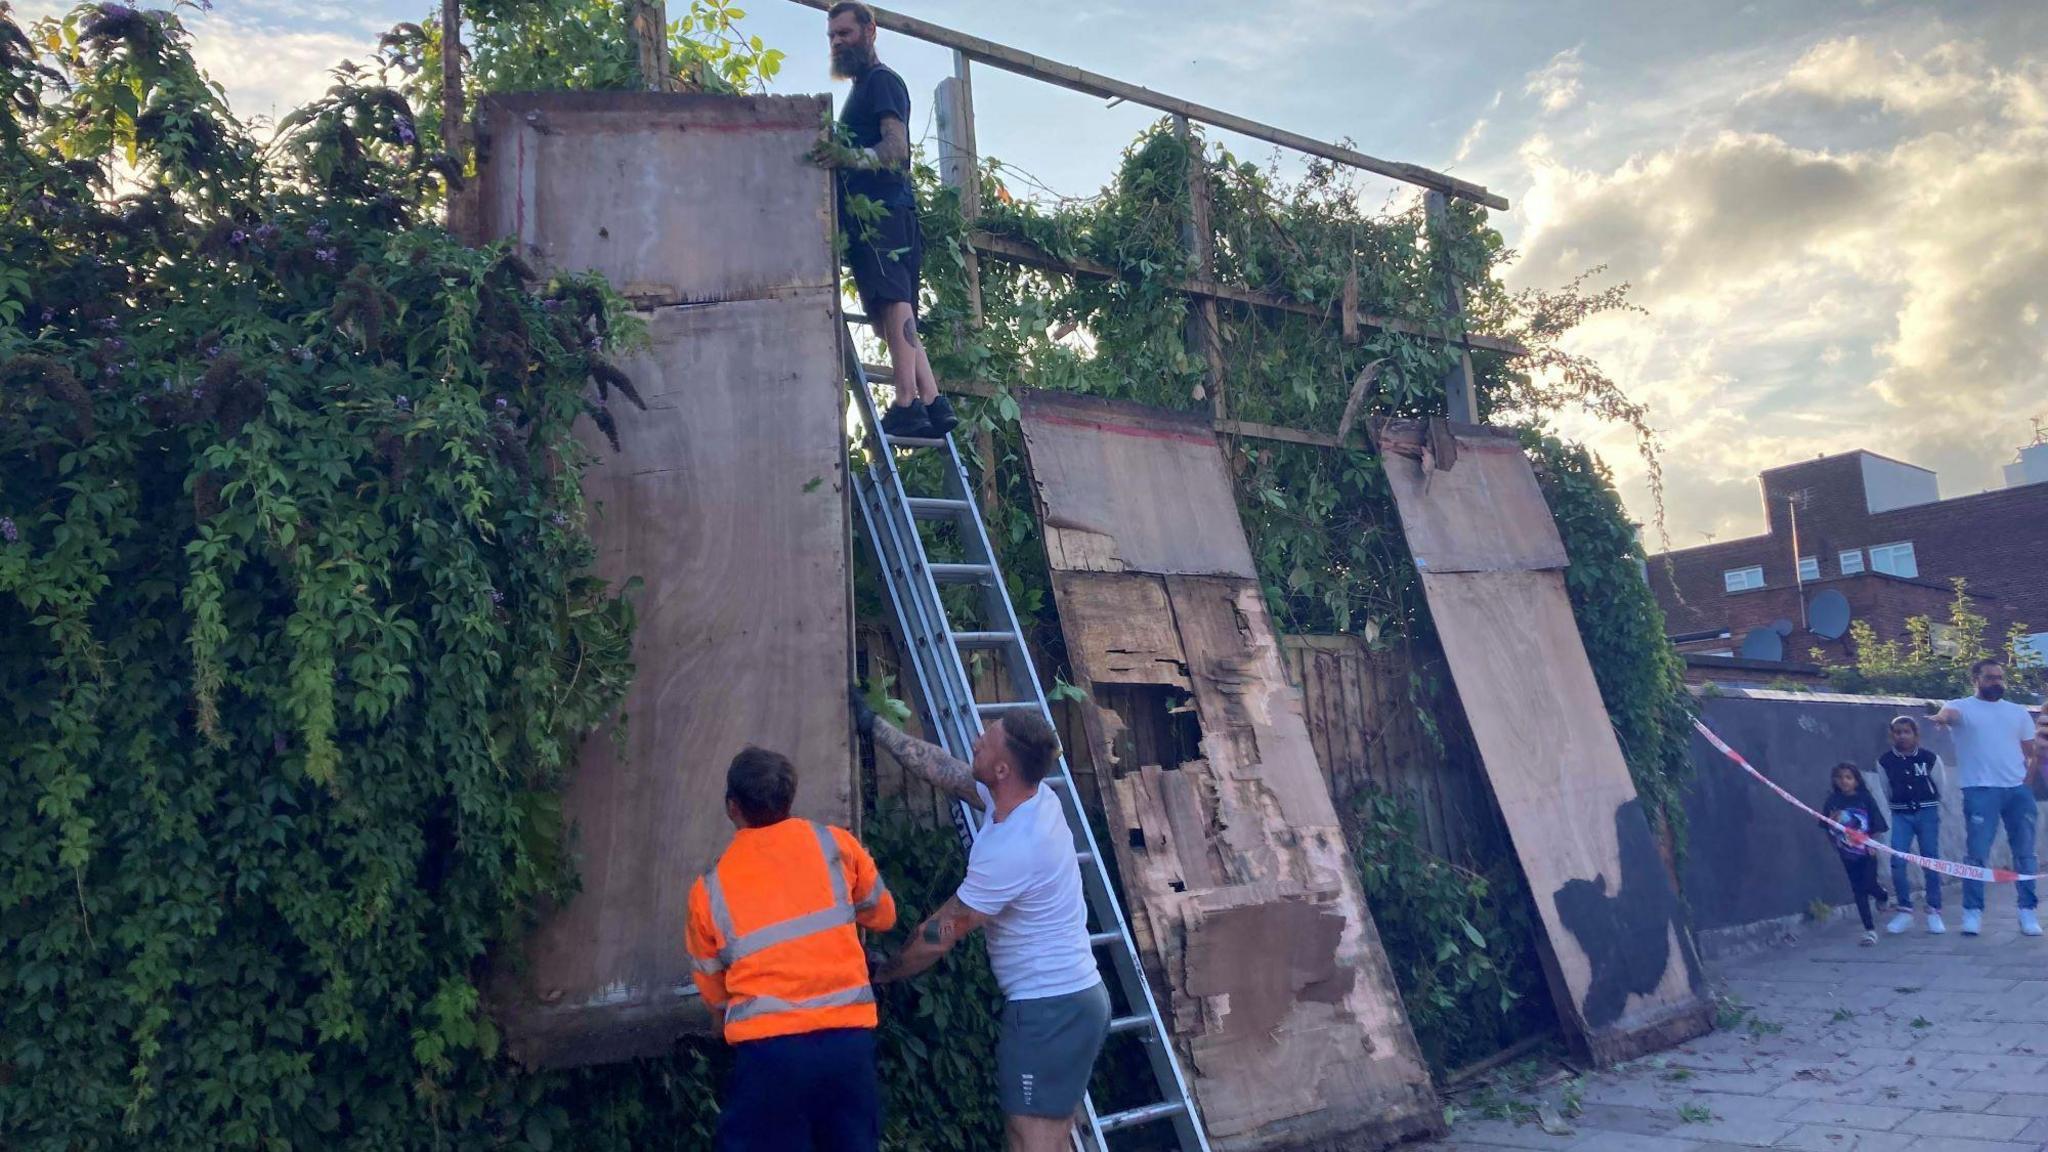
(296, 631)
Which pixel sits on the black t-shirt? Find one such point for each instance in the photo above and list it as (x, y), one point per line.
(879, 93)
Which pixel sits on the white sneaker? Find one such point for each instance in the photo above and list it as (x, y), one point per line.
(1869, 937)
(1973, 919)
(1899, 923)
(1934, 925)
(2030, 924)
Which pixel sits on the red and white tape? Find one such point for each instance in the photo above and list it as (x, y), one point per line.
(1945, 867)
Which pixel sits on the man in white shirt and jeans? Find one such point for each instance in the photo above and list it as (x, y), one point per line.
(1024, 885)
(1995, 750)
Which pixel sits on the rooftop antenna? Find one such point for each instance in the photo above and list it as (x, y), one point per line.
(1795, 502)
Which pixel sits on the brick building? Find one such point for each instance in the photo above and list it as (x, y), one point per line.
(1877, 531)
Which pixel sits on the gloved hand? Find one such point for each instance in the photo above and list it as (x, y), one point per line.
(863, 716)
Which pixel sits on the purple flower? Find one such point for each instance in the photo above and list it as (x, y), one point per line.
(405, 132)
(558, 520)
(108, 323)
(501, 402)
(237, 236)
(8, 531)
(266, 233)
(115, 344)
(212, 351)
(497, 597)
(198, 394)
(302, 354)
(404, 405)
(319, 229)
(48, 316)
(324, 255)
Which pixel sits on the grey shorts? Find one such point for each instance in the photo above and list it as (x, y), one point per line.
(1047, 1051)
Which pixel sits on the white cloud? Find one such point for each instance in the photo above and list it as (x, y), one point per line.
(1556, 84)
(1808, 299)
(267, 71)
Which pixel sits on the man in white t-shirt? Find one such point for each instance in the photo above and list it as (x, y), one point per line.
(1024, 886)
(1995, 751)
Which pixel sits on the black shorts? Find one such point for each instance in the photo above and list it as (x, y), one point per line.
(887, 257)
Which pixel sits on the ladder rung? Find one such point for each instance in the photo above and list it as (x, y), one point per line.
(961, 574)
(936, 507)
(1007, 706)
(915, 442)
(1131, 1118)
(984, 639)
(1104, 939)
(1132, 1023)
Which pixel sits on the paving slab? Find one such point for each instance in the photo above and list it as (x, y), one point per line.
(1919, 1044)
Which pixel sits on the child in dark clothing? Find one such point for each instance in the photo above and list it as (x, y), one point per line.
(1853, 817)
(1910, 775)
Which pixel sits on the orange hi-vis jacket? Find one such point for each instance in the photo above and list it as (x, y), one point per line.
(771, 933)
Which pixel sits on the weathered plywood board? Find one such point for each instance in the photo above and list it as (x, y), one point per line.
(1135, 489)
(1617, 946)
(1240, 888)
(1486, 512)
(674, 198)
(727, 500)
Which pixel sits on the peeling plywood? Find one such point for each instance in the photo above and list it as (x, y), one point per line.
(1132, 489)
(1241, 891)
(1616, 943)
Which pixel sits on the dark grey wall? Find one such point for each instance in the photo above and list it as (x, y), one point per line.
(1753, 857)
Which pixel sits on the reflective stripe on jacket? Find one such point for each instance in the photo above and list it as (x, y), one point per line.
(771, 931)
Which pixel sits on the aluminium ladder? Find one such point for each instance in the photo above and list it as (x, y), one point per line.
(932, 647)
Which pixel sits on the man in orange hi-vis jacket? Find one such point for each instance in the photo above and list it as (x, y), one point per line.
(774, 950)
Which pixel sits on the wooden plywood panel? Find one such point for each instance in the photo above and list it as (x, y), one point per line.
(1125, 488)
(1624, 970)
(727, 501)
(1242, 893)
(673, 197)
(1468, 499)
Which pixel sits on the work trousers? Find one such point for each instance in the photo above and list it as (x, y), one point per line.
(811, 1092)
(1983, 810)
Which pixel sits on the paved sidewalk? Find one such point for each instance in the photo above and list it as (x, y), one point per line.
(1928, 1043)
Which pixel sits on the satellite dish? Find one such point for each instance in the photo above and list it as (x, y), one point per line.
(1828, 617)
(1782, 627)
(1763, 644)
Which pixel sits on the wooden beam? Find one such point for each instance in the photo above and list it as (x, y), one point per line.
(1461, 403)
(650, 41)
(1204, 336)
(1017, 252)
(1095, 84)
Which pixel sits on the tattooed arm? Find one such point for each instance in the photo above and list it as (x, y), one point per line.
(933, 939)
(894, 150)
(935, 764)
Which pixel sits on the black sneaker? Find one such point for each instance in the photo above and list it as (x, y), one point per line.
(941, 412)
(911, 421)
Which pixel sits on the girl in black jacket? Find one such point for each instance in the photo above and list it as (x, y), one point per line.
(1853, 817)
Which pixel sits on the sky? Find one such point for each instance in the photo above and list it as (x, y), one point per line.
(1829, 211)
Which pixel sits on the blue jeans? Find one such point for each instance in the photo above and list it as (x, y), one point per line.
(1983, 809)
(811, 1092)
(1925, 825)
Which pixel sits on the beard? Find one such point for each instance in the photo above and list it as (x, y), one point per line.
(1991, 692)
(852, 61)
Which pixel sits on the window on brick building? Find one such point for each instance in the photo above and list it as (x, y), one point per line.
(1809, 567)
(1852, 561)
(1895, 560)
(1742, 579)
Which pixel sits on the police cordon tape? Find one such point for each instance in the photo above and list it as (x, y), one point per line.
(1945, 867)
